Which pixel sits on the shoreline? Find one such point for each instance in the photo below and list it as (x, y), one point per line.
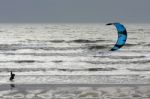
(79, 85)
(77, 79)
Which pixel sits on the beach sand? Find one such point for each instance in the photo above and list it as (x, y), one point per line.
(75, 87)
(74, 91)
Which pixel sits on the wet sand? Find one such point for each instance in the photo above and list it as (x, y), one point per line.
(75, 91)
(75, 87)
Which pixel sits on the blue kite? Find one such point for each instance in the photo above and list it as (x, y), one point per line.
(122, 36)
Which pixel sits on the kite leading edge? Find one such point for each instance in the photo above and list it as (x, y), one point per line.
(122, 36)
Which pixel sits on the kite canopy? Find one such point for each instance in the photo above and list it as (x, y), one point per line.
(122, 36)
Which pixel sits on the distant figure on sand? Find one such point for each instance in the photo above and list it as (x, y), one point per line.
(12, 76)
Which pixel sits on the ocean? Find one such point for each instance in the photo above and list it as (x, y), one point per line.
(73, 54)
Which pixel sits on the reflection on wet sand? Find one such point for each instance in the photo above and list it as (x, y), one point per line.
(12, 86)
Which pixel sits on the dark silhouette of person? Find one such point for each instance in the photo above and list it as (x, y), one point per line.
(12, 76)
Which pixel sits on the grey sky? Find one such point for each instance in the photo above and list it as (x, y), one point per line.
(74, 11)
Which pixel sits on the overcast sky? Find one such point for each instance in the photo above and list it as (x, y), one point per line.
(74, 11)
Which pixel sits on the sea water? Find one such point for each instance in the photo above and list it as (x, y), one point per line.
(73, 61)
(45, 52)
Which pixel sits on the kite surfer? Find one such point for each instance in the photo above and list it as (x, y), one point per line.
(12, 76)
